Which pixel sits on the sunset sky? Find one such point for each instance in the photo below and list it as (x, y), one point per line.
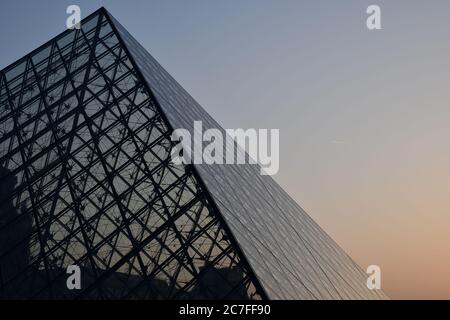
(364, 116)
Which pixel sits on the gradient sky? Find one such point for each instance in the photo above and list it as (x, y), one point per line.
(364, 116)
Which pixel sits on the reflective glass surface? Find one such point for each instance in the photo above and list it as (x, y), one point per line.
(291, 255)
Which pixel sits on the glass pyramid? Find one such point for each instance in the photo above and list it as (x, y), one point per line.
(86, 179)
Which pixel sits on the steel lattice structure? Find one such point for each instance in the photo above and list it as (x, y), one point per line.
(86, 179)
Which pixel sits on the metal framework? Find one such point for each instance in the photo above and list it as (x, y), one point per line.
(86, 179)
